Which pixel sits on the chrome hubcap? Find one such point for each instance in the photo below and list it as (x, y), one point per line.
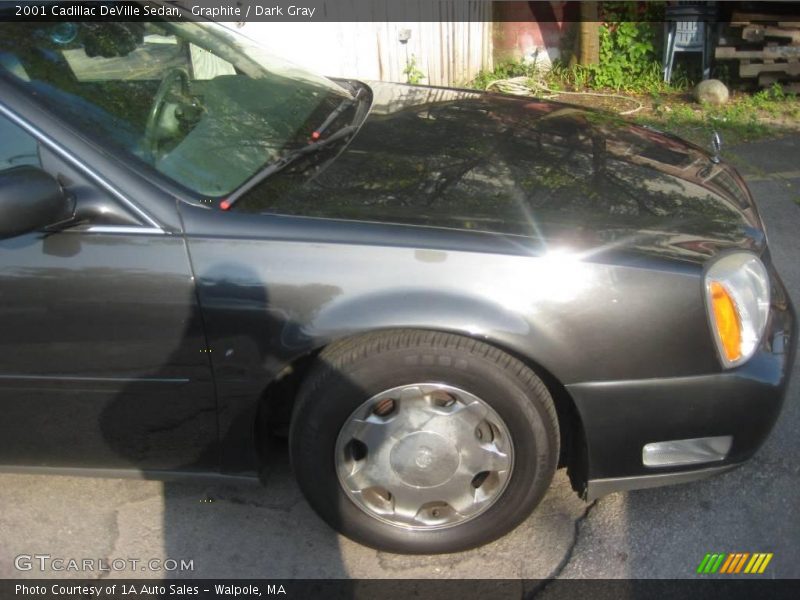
(425, 455)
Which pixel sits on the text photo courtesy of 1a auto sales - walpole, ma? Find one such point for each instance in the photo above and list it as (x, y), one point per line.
(391, 298)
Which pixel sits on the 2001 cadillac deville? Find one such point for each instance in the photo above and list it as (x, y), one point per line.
(444, 295)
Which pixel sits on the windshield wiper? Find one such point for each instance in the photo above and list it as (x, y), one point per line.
(343, 106)
(286, 160)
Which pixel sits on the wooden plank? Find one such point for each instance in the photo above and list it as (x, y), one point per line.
(757, 33)
(754, 69)
(770, 52)
(779, 32)
(753, 33)
(747, 18)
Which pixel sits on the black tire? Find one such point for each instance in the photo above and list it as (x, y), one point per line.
(350, 372)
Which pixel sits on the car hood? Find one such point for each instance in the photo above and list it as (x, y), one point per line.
(565, 175)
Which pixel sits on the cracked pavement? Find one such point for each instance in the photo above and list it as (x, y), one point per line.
(241, 530)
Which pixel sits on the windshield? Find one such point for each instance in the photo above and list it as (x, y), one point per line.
(196, 102)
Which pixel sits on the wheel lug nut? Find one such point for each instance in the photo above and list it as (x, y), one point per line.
(384, 407)
(441, 398)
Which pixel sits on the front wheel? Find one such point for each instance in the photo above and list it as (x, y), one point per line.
(422, 442)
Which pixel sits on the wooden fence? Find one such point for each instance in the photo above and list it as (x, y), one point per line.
(450, 41)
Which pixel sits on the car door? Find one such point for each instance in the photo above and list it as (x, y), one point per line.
(103, 360)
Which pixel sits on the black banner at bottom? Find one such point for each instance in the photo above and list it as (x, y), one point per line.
(391, 589)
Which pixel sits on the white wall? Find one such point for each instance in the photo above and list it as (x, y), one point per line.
(449, 52)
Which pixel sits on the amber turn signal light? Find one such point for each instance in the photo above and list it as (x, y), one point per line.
(726, 319)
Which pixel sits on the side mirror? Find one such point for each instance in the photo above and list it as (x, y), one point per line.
(31, 199)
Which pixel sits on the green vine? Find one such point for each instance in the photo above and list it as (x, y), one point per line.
(412, 72)
(629, 49)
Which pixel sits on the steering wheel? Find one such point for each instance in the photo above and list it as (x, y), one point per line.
(173, 77)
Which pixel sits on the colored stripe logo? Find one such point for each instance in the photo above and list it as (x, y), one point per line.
(734, 563)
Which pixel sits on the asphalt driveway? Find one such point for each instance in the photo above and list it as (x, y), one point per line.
(246, 531)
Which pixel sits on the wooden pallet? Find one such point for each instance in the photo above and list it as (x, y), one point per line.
(757, 33)
(767, 49)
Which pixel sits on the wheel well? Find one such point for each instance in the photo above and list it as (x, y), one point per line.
(276, 403)
(573, 453)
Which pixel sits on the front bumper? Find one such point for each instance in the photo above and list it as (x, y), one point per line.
(620, 417)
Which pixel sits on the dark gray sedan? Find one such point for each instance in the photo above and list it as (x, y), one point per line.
(440, 296)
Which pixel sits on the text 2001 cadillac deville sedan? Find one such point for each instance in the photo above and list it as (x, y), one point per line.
(441, 295)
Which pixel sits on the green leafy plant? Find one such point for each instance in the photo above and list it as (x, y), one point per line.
(412, 72)
(630, 49)
(627, 55)
(561, 76)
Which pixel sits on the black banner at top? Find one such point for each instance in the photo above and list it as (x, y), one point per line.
(263, 10)
(352, 10)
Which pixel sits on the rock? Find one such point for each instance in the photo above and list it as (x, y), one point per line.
(712, 91)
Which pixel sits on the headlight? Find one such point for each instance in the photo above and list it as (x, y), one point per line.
(737, 294)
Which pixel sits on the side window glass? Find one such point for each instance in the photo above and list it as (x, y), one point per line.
(17, 147)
